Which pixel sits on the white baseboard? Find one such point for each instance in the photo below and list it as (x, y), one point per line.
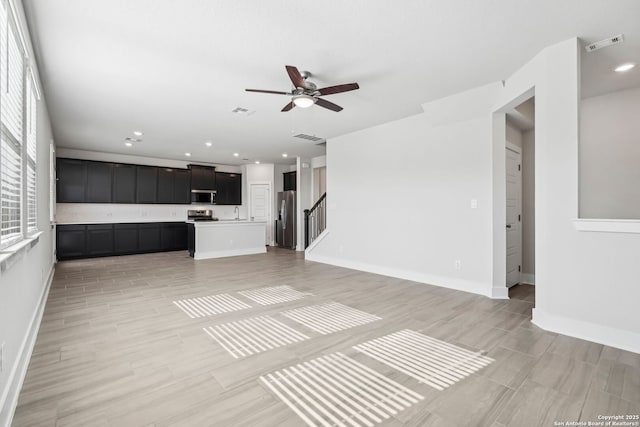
(16, 377)
(445, 282)
(528, 279)
(625, 340)
(500, 293)
(230, 252)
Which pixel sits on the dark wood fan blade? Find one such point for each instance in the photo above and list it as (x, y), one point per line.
(330, 105)
(276, 92)
(338, 88)
(288, 107)
(295, 76)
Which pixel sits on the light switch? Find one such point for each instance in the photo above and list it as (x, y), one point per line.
(474, 203)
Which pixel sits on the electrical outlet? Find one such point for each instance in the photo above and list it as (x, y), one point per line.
(457, 264)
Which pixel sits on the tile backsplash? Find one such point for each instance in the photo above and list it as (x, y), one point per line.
(78, 213)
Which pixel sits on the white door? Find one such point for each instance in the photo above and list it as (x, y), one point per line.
(514, 230)
(260, 206)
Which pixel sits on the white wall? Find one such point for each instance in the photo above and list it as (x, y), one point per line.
(586, 283)
(304, 196)
(24, 285)
(610, 156)
(430, 173)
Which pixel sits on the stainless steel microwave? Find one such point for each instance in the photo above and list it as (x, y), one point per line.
(205, 197)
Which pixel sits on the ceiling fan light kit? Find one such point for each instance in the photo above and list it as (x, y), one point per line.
(303, 101)
(305, 93)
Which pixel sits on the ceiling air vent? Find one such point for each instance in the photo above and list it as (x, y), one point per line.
(310, 138)
(604, 43)
(242, 111)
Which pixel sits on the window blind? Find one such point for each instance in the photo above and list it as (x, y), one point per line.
(31, 115)
(11, 131)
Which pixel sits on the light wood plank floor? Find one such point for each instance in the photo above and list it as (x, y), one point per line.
(113, 349)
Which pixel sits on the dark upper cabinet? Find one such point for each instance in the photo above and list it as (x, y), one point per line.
(71, 177)
(289, 181)
(174, 186)
(146, 184)
(85, 181)
(99, 178)
(124, 184)
(70, 241)
(165, 185)
(182, 186)
(203, 177)
(228, 188)
(99, 239)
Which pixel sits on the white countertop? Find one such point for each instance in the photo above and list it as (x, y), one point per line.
(225, 222)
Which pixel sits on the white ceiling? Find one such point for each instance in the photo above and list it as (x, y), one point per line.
(176, 69)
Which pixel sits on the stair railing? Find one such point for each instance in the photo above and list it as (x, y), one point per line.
(315, 220)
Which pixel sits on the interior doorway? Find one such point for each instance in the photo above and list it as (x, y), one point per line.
(513, 172)
(520, 200)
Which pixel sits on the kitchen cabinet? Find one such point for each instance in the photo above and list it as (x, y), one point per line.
(71, 177)
(125, 238)
(70, 241)
(182, 186)
(203, 177)
(99, 240)
(124, 184)
(99, 176)
(94, 240)
(146, 184)
(228, 188)
(149, 237)
(289, 181)
(173, 236)
(174, 186)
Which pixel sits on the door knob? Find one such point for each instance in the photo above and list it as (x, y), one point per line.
(508, 225)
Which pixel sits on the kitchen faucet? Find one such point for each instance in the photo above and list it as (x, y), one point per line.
(236, 212)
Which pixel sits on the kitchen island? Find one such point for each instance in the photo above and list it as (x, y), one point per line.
(225, 238)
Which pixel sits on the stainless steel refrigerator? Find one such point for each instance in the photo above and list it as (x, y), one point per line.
(286, 222)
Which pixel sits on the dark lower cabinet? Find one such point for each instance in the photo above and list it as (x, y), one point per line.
(149, 238)
(125, 238)
(173, 236)
(71, 241)
(99, 240)
(191, 239)
(94, 240)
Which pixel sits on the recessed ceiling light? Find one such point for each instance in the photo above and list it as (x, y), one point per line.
(235, 154)
(257, 162)
(137, 133)
(285, 155)
(625, 67)
(187, 154)
(208, 144)
(128, 144)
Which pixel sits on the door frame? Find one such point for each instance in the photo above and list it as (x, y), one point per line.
(518, 150)
(270, 226)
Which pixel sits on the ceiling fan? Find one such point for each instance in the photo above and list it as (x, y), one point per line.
(305, 93)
